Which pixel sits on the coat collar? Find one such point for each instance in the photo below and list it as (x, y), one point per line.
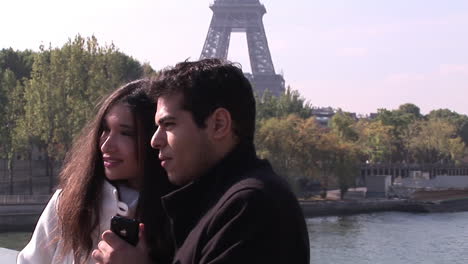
(188, 204)
(120, 200)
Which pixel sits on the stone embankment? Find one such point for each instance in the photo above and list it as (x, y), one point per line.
(328, 208)
(421, 202)
(21, 212)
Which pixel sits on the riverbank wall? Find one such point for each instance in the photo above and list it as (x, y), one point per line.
(332, 208)
(21, 212)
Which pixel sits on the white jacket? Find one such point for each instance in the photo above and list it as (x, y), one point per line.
(41, 248)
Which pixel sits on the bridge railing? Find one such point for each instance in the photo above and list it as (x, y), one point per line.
(27, 177)
(24, 199)
(405, 170)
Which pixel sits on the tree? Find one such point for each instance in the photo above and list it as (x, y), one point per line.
(409, 110)
(19, 62)
(435, 140)
(299, 148)
(375, 140)
(342, 151)
(276, 140)
(460, 121)
(342, 124)
(8, 84)
(65, 86)
(15, 69)
(288, 103)
(148, 71)
(346, 165)
(399, 120)
(290, 143)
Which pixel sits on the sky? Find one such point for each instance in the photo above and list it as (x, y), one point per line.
(357, 55)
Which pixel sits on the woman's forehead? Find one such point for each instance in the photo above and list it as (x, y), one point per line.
(119, 113)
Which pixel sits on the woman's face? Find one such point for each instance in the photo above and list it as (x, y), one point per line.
(118, 146)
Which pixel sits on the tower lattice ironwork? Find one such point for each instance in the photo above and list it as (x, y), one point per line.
(243, 16)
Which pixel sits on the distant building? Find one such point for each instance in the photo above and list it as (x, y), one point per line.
(373, 116)
(352, 115)
(323, 114)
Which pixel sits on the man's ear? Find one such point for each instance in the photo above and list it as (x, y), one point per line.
(220, 123)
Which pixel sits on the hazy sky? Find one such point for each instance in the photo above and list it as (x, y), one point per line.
(358, 55)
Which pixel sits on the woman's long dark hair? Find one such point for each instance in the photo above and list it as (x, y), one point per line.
(82, 177)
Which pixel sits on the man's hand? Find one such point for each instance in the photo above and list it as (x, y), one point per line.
(112, 249)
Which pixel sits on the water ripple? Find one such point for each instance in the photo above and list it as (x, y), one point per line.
(391, 237)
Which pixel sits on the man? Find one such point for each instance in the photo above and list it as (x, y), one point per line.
(231, 207)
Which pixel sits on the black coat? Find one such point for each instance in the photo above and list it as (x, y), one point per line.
(239, 212)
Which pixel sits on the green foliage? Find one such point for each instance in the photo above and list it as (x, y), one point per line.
(46, 97)
(375, 140)
(409, 111)
(407, 126)
(459, 121)
(19, 62)
(445, 114)
(8, 83)
(300, 148)
(347, 164)
(290, 144)
(399, 120)
(435, 140)
(147, 70)
(290, 102)
(342, 124)
(58, 92)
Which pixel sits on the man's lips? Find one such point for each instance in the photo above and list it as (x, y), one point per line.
(110, 162)
(164, 160)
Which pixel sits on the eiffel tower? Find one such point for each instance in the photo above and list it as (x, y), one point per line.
(243, 16)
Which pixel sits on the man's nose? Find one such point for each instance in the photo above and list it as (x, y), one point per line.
(157, 141)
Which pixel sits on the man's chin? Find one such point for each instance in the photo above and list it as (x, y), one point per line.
(173, 179)
(177, 180)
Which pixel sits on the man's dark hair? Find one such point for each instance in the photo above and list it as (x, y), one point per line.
(209, 84)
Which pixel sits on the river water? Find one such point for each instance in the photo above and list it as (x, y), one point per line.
(390, 237)
(379, 238)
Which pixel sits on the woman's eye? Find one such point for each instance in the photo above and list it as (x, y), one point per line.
(128, 133)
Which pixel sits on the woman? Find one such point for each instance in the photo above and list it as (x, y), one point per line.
(101, 177)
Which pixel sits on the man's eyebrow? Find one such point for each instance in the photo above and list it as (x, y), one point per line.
(166, 118)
